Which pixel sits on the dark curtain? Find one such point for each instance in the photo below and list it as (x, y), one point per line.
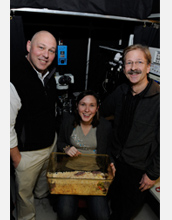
(17, 41)
(128, 8)
(147, 35)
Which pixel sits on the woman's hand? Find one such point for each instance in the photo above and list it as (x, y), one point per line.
(72, 151)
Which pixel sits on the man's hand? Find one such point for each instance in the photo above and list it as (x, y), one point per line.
(146, 183)
(15, 156)
(113, 169)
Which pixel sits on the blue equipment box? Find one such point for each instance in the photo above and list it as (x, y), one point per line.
(62, 55)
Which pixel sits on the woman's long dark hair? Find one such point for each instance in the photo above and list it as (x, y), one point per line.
(95, 120)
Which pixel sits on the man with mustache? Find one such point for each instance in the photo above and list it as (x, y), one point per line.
(135, 106)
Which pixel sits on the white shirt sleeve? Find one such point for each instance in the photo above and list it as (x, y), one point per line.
(15, 105)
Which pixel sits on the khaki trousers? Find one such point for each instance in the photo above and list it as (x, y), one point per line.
(31, 181)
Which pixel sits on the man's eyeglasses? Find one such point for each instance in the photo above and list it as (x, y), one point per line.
(137, 63)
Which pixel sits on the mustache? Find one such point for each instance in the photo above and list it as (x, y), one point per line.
(131, 72)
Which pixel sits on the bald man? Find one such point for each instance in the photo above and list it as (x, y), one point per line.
(32, 122)
(42, 49)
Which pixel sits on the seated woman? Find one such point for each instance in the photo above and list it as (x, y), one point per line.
(84, 132)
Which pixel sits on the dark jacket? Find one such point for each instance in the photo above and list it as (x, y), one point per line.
(103, 134)
(35, 123)
(142, 147)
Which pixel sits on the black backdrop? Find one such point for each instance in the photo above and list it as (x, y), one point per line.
(128, 8)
